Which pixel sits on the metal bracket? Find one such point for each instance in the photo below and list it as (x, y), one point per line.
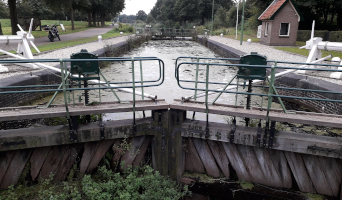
(259, 131)
(267, 127)
(102, 129)
(73, 126)
(232, 132)
(270, 140)
(159, 118)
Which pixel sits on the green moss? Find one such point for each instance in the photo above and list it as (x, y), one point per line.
(314, 196)
(246, 185)
(200, 177)
(336, 131)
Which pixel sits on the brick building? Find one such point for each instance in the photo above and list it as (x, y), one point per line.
(280, 23)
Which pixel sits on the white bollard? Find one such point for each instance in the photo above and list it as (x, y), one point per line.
(205, 34)
(221, 34)
(249, 41)
(99, 38)
(121, 33)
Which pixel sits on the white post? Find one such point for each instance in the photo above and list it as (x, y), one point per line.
(237, 17)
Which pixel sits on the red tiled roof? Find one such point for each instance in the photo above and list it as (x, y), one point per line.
(276, 4)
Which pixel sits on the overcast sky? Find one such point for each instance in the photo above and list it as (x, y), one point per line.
(133, 6)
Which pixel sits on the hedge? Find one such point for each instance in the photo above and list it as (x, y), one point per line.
(335, 36)
(305, 35)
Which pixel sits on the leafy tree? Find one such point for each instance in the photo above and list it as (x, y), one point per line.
(4, 14)
(141, 15)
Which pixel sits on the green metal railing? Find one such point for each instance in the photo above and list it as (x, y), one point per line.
(66, 87)
(272, 88)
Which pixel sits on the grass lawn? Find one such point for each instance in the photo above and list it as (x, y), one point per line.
(295, 49)
(58, 45)
(79, 26)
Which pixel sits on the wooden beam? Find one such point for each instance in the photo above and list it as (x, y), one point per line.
(286, 141)
(59, 135)
(19, 113)
(229, 110)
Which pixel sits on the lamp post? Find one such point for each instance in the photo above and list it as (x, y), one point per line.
(237, 17)
(212, 20)
(242, 20)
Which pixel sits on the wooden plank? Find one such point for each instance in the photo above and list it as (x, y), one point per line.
(317, 175)
(332, 172)
(257, 114)
(37, 160)
(59, 135)
(220, 156)
(193, 162)
(129, 155)
(140, 157)
(36, 113)
(272, 177)
(101, 150)
(206, 157)
(5, 160)
(236, 161)
(280, 163)
(52, 161)
(299, 172)
(88, 154)
(67, 161)
(251, 162)
(287, 141)
(16, 167)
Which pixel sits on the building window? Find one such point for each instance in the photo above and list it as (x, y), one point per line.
(284, 29)
(266, 29)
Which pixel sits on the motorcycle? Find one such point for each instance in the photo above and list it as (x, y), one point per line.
(53, 32)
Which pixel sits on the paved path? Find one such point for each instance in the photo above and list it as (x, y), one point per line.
(72, 36)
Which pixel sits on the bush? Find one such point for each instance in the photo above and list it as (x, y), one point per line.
(305, 35)
(335, 36)
(124, 28)
(139, 183)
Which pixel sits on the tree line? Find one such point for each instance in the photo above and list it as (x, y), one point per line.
(94, 11)
(327, 13)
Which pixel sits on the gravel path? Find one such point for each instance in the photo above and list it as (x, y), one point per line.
(61, 53)
(270, 52)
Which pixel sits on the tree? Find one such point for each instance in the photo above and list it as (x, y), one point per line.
(141, 15)
(4, 14)
(12, 5)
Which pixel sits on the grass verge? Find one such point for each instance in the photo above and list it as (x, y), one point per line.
(62, 44)
(79, 26)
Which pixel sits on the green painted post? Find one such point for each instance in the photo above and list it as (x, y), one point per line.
(270, 89)
(212, 19)
(142, 80)
(242, 20)
(62, 64)
(195, 97)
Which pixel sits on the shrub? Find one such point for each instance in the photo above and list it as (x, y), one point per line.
(305, 35)
(335, 36)
(139, 183)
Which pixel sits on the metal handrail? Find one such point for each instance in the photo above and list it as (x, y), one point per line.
(260, 66)
(159, 80)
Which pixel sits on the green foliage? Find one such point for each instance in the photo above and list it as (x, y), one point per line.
(305, 35)
(335, 36)
(137, 183)
(141, 15)
(126, 28)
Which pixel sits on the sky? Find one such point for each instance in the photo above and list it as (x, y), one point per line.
(133, 6)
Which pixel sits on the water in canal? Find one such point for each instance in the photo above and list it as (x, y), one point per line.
(168, 51)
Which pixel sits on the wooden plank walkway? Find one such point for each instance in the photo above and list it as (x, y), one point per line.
(33, 112)
(274, 115)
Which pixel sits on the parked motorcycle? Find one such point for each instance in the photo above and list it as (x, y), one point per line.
(53, 32)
